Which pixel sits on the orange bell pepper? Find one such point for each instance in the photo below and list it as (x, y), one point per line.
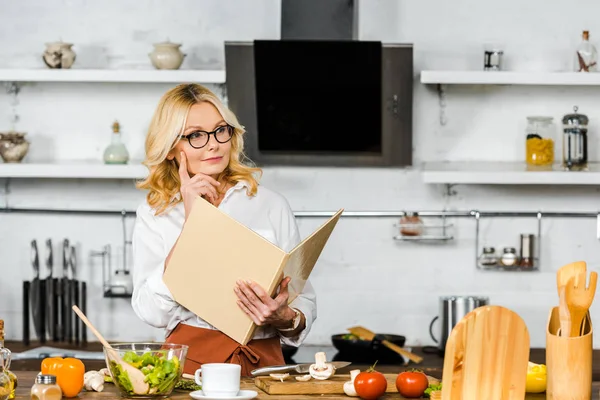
(69, 374)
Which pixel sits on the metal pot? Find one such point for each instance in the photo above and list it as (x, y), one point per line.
(452, 310)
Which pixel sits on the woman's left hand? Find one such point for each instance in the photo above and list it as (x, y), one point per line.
(263, 309)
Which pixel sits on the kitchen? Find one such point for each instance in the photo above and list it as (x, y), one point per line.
(364, 276)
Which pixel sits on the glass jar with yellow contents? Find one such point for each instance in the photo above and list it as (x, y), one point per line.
(539, 143)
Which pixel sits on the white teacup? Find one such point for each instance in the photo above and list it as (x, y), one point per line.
(219, 379)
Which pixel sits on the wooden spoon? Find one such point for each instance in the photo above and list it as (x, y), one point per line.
(135, 375)
(579, 299)
(366, 334)
(563, 310)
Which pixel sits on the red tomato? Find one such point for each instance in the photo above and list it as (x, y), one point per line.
(370, 384)
(412, 384)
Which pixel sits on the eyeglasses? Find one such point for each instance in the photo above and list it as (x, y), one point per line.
(198, 139)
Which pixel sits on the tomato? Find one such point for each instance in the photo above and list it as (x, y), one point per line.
(69, 374)
(412, 384)
(370, 384)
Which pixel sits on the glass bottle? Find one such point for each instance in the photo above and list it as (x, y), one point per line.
(5, 383)
(539, 142)
(411, 225)
(116, 152)
(586, 55)
(6, 356)
(46, 388)
(488, 258)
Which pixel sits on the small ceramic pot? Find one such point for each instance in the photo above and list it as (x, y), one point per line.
(13, 147)
(166, 56)
(59, 55)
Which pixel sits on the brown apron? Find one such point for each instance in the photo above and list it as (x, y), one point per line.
(213, 346)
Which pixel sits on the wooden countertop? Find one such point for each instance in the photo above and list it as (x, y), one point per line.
(26, 379)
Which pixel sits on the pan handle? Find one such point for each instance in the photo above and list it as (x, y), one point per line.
(431, 329)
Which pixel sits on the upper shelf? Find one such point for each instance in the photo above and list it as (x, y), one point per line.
(112, 75)
(505, 173)
(73, 170)
(510, 78)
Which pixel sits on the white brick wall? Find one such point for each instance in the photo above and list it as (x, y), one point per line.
(363, 275)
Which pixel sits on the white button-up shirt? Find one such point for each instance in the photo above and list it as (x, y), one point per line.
(267, 213)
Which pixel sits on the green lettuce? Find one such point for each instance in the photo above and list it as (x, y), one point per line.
(160, 373)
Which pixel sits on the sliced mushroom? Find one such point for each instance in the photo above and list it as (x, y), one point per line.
(321, 369)
(349, 386)
(303, 378)
(279, 377)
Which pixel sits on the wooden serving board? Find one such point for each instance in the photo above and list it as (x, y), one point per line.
(333, 385)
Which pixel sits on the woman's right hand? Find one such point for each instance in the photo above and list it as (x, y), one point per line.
(198, 185)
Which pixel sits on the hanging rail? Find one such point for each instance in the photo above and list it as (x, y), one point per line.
(347, 214)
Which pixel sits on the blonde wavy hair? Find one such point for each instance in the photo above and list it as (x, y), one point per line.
(168, 123)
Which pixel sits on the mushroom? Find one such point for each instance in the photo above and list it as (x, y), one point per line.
(321, 369)
(93, 380)
(303, 378)
(279, 377)
(349, 386)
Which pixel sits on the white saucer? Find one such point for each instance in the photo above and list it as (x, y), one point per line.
(242, 395)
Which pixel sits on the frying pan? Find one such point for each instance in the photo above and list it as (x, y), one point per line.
(368, 351)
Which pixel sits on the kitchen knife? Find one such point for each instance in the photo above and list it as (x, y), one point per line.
(34, 290)
(83, 310)
(64, 304)
(50, 307)
(299, 368)
(74, 295)
(26, 336)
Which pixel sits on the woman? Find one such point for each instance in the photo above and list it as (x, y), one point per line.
(194, 147)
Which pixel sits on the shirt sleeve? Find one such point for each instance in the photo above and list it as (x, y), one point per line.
(151, 299)
(306, 301)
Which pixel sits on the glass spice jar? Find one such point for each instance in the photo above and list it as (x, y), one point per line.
(46, 388)
(488, 258)
(509, 257)
(411, 225)
(539, 143)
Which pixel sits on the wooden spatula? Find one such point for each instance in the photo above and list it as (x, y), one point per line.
(564, 314)
(487, 354)
(366, 334)
(579, 299)
(567, 271)
(136, 376)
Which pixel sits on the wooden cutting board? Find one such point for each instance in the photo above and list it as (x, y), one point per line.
(486, 356)
(333, 385)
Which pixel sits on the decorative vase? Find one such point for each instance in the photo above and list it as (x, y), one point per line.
(13, 147)
(167, 55)
(59, 55)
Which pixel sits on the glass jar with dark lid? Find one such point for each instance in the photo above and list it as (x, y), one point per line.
(575, 141)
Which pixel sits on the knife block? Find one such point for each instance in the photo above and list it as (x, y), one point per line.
(568, 361)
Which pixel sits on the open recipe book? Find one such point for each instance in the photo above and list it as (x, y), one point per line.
(206, 264)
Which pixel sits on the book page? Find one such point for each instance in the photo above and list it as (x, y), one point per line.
(213, 252)
(303, 257)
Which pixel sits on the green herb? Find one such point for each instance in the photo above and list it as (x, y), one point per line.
(433, 388)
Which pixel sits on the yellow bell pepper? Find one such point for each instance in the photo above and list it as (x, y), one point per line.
(536, 378)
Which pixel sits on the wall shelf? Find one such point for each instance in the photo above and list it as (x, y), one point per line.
(510, 78)
(112, 75)
(505, 173)
(73, 170)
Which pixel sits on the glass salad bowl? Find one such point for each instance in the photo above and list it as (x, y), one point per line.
(144, 370)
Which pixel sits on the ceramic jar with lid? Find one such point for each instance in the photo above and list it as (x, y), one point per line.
(167, 55)
(13, 147)
(575, 141)
(59, 55)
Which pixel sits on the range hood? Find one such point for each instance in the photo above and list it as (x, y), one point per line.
(319, 19)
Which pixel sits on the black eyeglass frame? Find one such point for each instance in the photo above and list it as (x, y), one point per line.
(214, 133)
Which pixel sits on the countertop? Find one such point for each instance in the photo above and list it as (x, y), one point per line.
(432, 365)
(26, 379)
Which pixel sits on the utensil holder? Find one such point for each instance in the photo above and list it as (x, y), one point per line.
(568, 361)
